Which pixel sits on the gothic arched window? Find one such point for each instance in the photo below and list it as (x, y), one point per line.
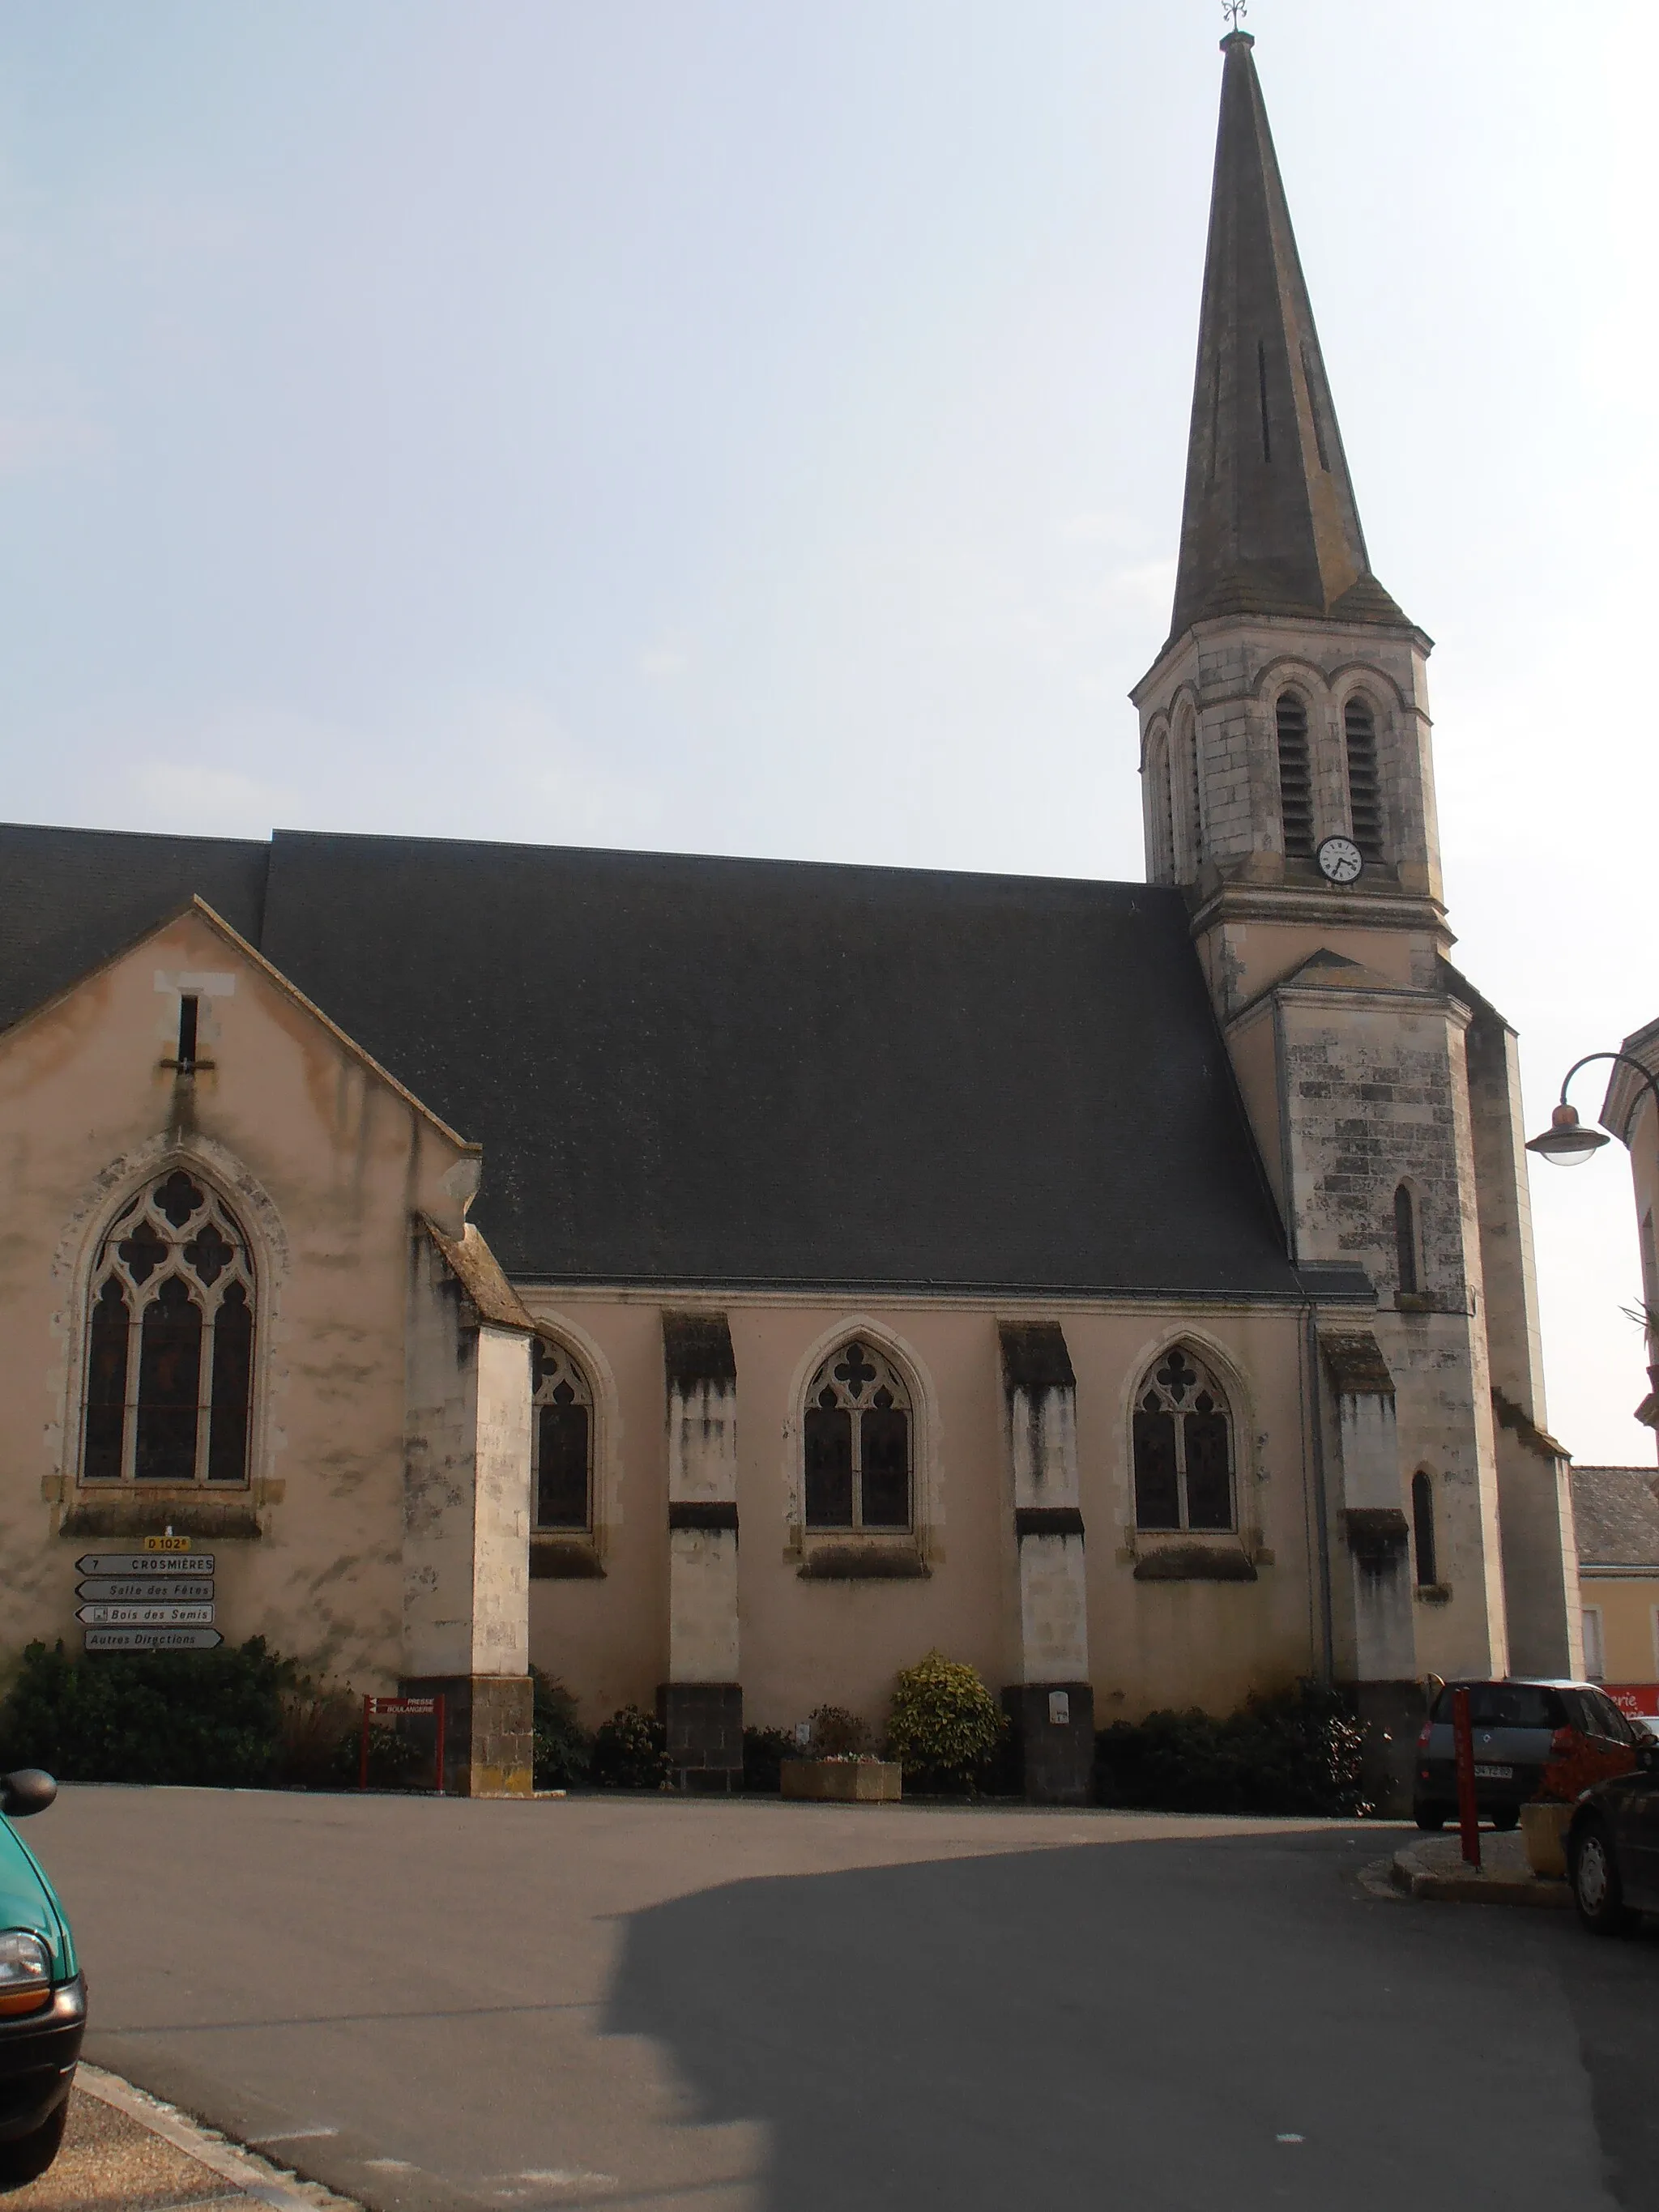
(857, 1438)
(561, 1438)
(1364, 790)
(1423, 1530)
(169, 1364)
(1407, 1272)
(1183, 1447)
(1295, 776)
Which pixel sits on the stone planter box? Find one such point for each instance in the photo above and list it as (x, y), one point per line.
(844, 1781)
(1544, 1828)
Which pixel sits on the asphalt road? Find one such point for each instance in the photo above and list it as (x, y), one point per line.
(754, 2007)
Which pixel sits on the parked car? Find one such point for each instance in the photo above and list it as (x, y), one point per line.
(1532, 1738)
(1613, 1847)
(43, 1995)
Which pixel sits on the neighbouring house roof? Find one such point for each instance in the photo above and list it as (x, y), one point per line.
(1615, 1512)
(1270, 525)
(698, 1071)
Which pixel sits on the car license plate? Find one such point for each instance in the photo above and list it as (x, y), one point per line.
(1494, 1774)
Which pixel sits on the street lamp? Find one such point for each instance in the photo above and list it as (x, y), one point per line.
(1566, 1141)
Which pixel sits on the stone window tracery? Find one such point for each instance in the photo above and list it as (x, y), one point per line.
(561, 1439)
(857, 1436)
(169, 1364)
(1183, 1447)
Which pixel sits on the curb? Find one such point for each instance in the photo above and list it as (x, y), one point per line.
(1461, 1885)
(256, 2179)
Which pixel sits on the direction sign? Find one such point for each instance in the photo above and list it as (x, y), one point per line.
(153, 1639)
(138, 1590)
(146, 1616)
(143, 1563)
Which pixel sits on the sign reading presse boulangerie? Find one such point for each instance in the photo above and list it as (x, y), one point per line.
(159, 1599)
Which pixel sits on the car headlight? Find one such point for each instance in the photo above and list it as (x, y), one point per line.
(25, 1972)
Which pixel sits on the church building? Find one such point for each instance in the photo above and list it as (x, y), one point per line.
(718, 1282)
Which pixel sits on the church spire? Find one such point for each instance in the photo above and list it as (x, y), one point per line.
(1270, 525)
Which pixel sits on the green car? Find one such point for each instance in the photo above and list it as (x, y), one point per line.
(43, 1995)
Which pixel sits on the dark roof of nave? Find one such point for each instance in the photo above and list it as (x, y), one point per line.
(1270, 525)
(1615, 1512)
(692, 1070)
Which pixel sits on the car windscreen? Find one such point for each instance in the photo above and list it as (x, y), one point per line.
(1506, 1704)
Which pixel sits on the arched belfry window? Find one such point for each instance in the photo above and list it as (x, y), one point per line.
(1159, 818)
(1423, 1530)
(1191, 802)
(1364, 789)
(169, 1364)
(857, 1432)
(1407, 1271)
(1295, 776)
(1183, 1447)
(561, 1438)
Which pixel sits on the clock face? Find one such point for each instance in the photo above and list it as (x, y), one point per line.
(1339, 860)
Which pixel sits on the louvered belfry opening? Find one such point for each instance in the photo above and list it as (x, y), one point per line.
(1364, 790)
(1294, 778)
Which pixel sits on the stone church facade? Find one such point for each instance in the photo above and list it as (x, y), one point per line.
(718, 1282)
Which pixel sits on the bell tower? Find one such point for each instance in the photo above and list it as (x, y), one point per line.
(1288, 793)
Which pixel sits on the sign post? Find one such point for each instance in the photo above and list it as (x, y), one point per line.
(372, 1707)
(1469, 1813)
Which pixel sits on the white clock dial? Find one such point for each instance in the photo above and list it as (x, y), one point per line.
(1339, 860)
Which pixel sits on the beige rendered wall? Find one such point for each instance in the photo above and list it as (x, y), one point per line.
(322, 1160)
(1630, 1624)
(806, 1641)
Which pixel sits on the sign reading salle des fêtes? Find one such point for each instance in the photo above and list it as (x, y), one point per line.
(159, 1599)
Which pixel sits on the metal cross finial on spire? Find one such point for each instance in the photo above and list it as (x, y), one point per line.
(1232, 10)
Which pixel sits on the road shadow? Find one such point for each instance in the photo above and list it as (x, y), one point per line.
(1220, 2022)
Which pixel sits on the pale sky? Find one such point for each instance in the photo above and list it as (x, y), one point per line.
(707, 425)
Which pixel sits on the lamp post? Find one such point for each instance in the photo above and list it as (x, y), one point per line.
(1566, 1142)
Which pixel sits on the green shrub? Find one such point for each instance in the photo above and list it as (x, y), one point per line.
(320, 1724)
(631, 1751)
(1294, 1751)
(765, 1751)
(212, 1718)
(397, 1760)
(944, 1725)
(564, 1749)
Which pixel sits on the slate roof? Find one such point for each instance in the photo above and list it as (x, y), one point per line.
(1270, 525)
(1615, 1512)
(686, 1070)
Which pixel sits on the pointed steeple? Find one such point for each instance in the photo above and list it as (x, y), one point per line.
(1270, 524)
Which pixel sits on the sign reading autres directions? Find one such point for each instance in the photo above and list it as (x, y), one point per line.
(153, 1639)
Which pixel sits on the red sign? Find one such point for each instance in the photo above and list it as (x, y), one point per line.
(401, 1705)
(1634, 1696)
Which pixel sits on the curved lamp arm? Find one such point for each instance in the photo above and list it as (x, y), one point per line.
(1566, 1141)
(1624, 1059)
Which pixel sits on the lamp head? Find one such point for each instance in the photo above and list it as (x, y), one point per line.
(1565, 1141)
